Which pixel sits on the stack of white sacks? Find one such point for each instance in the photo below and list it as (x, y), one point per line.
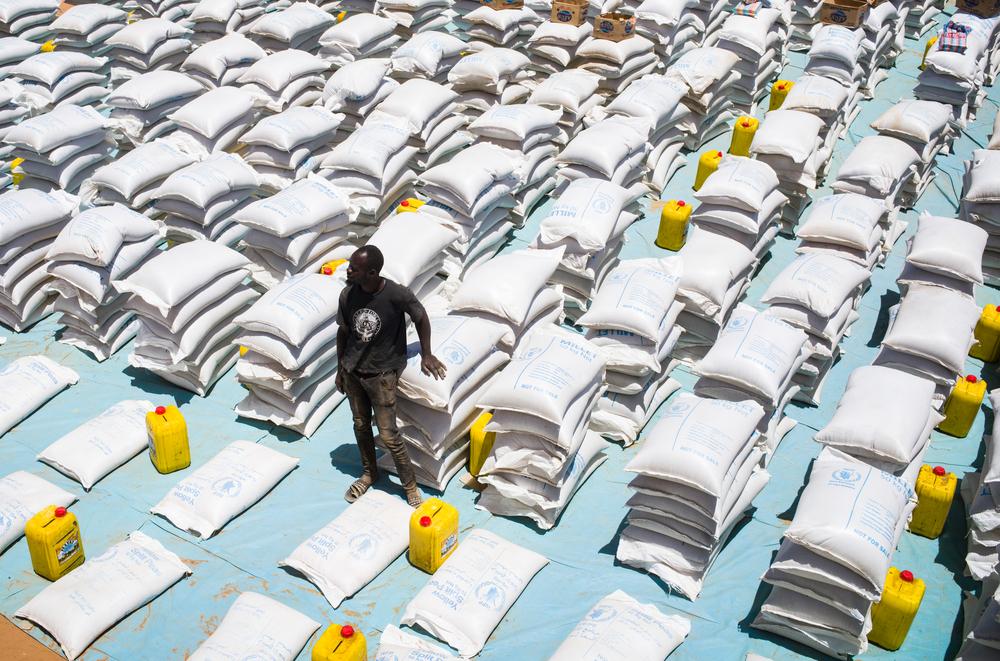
(414, 17)
(673, 27)
(290, 367)
(757, 357)
(33, 219)
(473, 193)
(981, 493)
(758, 35)
(11, 112)
(295, 230)
(507, 27)
(542, 403)
(355, 89)
(435, 416)
(201, 199)
(656, 99)
(512, 289)
(95, 248)
(30, 21)
(528, 130)
(171, 10)
(414, 246)
(982, 638)
(921, 16)
(957, 76)
(491, 76)
(359, 36)
(214, 121)
(792, 143)
(832, 565)
(186, 299)
(286, 147)
(884, 418)
(622, 160)
(926, 127)
(429, 55)
(819, 294)
(214, 19)
(222, 61)
(981, 204)
(86, 28)
(697, 473)
(147, 45)
(133, 178)
(572, 92)
(884, 29)
(805, 24)
(13, 51)
(741, 201)
(710, 76)
(833, 101)
(632, 322)
(297, 27)
(52, 79)
(141, 107)
(852, 226)
(553, 45)
(618, 63)
(285, 79)
(884, 168)
(61, 148)
(588, 221)
(947, 253)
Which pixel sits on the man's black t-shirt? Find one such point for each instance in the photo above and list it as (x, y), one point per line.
(376, 327)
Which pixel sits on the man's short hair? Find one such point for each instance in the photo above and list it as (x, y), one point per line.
(375, 258)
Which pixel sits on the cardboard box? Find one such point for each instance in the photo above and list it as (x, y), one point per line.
(503, 4)
(614, 26)
(848, 13)
(569, 12)
(983, 8)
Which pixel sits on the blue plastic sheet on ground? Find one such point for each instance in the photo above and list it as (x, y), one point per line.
(581, 549)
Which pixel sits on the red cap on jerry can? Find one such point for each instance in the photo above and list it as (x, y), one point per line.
(160, 410)
(939, 471)
(346, 631)
(60, 512)
(425, 521)
(971, 379)
(906, 576)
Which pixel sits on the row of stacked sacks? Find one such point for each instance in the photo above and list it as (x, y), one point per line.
(921, 17)
(148, 45)
(982, 623)
(57, 78)
(212, 20)
(981, 495)
(30, 21)
(981, 202)
(677, 27)
(86, 28)
(963, 59)
(171, 10)
(510, 28)
(710, 75)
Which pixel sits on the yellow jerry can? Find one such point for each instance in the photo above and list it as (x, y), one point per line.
(893, 615)
(779, 90)
(743, 132)
(329, 267)
(340, 643)
(987, 346)
(674, 219)
(433, 534)
(962, 405)
(481, 443)
(168, 439)
(707, 164)
(410, 204)
(927, 50)
(935, 490)
(54, 542)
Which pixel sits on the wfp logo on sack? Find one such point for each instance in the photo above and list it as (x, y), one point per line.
(227, 487)
(678, 408)
(362, 546)
(387, 656)
(601, 203)
(845, 477)
(490, 595)
(5, 523)
(602, 614)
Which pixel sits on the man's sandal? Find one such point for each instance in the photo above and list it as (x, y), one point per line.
(358, 488)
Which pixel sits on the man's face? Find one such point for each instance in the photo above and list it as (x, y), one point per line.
(357, 268)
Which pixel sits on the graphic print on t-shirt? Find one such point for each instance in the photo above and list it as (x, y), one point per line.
(366, 324)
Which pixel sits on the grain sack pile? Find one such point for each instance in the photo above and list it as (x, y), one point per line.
(631, 321)
(488, 77)
(833, 101)
(488, 26)
(981, 205)
(945, 252)
(213, 20)
(435, 416)
(622, 161)
(31, 220)
(758, 35)
(826, 576)
(86, 28)
(61, 148)
(95, 248)
(542, 403)
(710, 76)
(921, 17)
(49, 80)
(819, 294)
(286, 147)
(171, 10)
(186, 299)
(13, 51)
(881, 167)
(133, 178)
(572, 92)
(618, 63)
(756, 357)
(981, 495)
(222, 61)
(697, 473)
(884, 419)
(429, 55)
(283, 80)
(552, 46)
(295, 230)
(297, 27)
(414, 245)
(357, 37)
(741, 201)
(199, 201)
(982, 640)
(355, 89)
(290, 367)
(30, 20)
(413, 17)
(673, 27)
(851, 226)
(962, 61)
(588, 221)
(141, 108)
(150, 44)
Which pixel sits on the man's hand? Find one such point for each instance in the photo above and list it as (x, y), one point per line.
(339, 380)
(431, 366)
